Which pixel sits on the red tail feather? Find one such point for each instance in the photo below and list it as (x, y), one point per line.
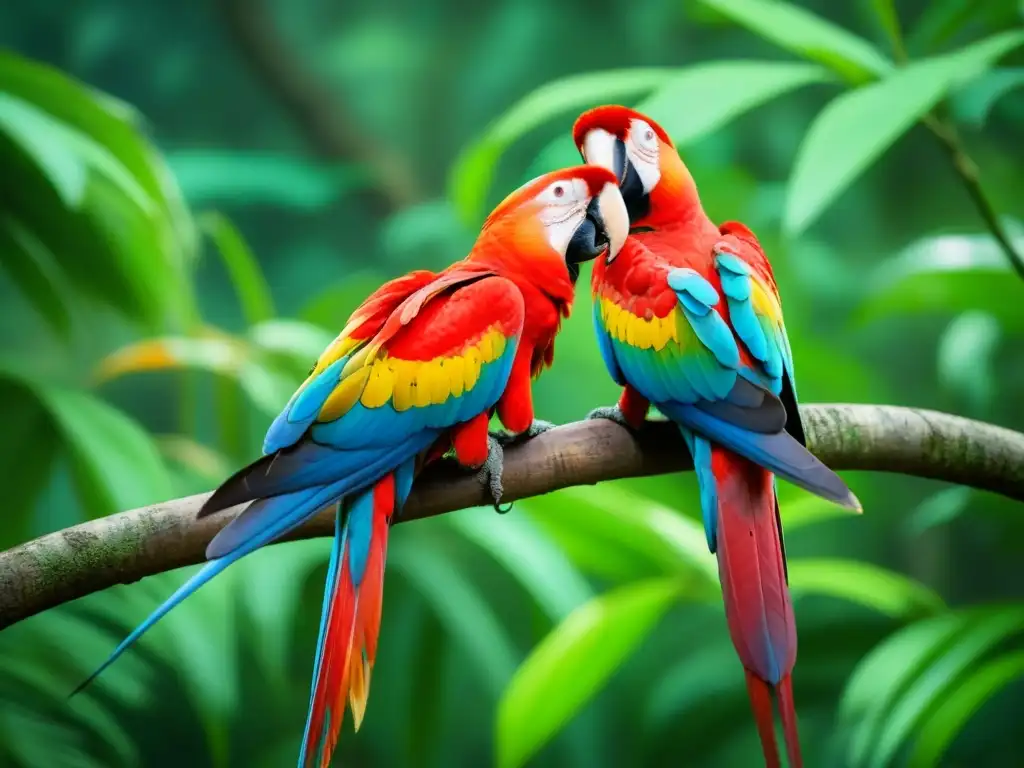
(760, 694)
(752, 568)
(349, 645)
(787, 709)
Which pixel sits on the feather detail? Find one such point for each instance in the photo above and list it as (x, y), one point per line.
(758, 608)
(350, 622)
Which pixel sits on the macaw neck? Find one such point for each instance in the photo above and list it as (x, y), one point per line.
(543, 280)
(673, 208)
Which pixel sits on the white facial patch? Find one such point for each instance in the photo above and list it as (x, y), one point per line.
(642, 147)
(564, 208)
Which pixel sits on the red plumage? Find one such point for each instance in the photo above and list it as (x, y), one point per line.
(671, 273)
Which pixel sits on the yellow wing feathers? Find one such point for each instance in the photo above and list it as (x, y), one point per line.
(766, 303)
(376, 380)
(624, 326)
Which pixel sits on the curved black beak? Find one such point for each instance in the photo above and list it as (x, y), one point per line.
(638, 202)
(589, 240)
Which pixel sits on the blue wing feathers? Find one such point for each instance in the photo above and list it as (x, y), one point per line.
(359, 531)
(604, 344)
(777, 452)
(277, 515)
(296, 417)
(700, 450)
(698, 292)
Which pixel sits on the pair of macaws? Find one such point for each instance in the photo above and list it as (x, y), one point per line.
(688, 318)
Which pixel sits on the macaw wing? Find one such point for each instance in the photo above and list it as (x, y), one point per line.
(689, 356)
(756, 312)
(604, 339)
(691, 366)
(385, 312)
(363, 411)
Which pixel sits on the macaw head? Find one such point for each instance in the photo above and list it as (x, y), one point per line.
(656, 186)
(549, 226)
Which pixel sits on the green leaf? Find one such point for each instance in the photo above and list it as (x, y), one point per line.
(303, 342)
(620, 534)
(939, 508)
(27, 453)
(948, 274)
(46, 141)
(429, 664)
(852, 132)
(885, 10)
(944, 675)
(267, 386)
(88, 183)
(724, 90)
(198, 458)
(30, 266)
(869, 585)
(859, 126)
(220, 176)
(116, 464)
(805, 34)
(967, 356)
(246, 276)
(939, 21)
(900, 682)
(458, 605)
(972, 60)
(474, 169)
(529, 556)
(974, 103)
(110, 123)
(573, 662)
(955, 709)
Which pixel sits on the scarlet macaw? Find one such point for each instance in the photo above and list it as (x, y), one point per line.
(722, 370)
(418, 370)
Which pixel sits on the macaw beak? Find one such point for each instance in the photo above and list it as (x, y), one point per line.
(602, 148)
(605, 226)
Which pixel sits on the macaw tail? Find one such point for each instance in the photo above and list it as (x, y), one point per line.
(739, 497)
(350, 621)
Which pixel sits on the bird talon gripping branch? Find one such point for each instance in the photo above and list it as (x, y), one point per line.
(611, 413)
(490, 473)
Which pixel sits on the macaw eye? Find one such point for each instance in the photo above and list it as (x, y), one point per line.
(558, 191)
(643, 136)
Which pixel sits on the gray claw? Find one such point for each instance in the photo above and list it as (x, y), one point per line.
(537, 427)
(503, 437)
(490, 472)
(610, 412)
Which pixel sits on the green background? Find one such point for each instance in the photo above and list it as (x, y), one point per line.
(169, 270)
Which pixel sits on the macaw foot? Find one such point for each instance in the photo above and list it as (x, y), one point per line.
(538, 427)
(490, 472)
(612, 413)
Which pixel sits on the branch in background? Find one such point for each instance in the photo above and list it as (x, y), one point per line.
(945, 131)
(126, 547)
(313, 105)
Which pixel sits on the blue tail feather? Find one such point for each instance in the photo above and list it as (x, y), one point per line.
(779, 453)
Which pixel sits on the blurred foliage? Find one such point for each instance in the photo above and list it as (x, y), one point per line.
(165, 284)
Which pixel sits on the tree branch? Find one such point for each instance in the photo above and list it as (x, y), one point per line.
(313, 105)
(965, 167)
(125, 547)
(944, 129)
